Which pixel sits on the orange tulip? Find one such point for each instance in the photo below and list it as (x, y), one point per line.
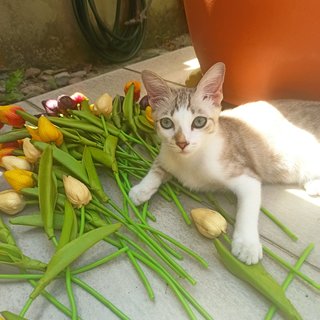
(137, 88)
(8, 116)
(5, 152)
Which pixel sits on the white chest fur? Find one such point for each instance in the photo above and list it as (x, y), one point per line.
(201, 170)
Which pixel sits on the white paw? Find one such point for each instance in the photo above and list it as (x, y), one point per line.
(247, 249)
(313, 187)
(140, 194)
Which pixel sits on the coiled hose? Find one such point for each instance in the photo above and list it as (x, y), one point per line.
(124, 40)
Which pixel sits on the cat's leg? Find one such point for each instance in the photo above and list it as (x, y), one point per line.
(149, 185)
(312, 187)
(245, 243)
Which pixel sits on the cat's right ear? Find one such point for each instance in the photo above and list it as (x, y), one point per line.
(210, 86)
(157, 89)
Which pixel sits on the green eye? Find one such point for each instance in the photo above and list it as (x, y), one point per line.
(166, 123)
(199, 122)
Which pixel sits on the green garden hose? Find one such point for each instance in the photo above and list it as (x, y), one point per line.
(124, 40)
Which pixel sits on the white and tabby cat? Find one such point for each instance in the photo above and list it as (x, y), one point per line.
(204, 148)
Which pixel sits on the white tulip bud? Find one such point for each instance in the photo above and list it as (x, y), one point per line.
(11, 202)
(31, 153)
(103, 105)
(209, 223)
(13, 162)
(77, 192)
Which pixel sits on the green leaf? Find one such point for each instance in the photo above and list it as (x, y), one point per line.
(70, 252)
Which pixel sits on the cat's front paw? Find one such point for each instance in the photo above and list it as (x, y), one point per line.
(247, 249)
(313, 187)
(140, 194)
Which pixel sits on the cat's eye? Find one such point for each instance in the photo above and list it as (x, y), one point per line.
(199, 122)
(166, 123)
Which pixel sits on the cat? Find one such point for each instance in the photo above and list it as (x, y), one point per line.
(238, 149)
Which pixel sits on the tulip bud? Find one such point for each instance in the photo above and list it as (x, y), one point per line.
(208, 222)
(137, 89)
(31, 153)
(19, 179)
(48, 132)
(149, 115)
(103, 105)
(78, 97)
(9, 116)
(77, 192)
(11, 202)
(12, 162)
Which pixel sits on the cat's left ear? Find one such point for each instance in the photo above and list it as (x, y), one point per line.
(210, 86)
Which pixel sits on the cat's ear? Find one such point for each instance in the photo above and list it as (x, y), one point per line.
(158, 91)
(210, 86)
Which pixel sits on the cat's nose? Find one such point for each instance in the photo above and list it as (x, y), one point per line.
(182, 144)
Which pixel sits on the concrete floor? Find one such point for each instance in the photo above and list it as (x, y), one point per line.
(224, 296)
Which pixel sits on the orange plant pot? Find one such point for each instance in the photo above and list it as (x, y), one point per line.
(271, 48)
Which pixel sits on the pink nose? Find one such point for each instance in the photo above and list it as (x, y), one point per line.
(182, 144)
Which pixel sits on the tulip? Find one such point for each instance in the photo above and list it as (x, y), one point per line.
(8, 116)
(144, 102)
(149, 115)
(77, 192)
(6, 152)
(137, 88)
(66, 103)
(19, 178)
(78, 97)
(103, 105)
(13, 162)
(31, 153)
(209, 223)
(48, 132)
(51, 107)
(11, 202)
(10, 144)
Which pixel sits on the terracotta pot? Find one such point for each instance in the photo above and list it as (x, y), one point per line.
(271, 48)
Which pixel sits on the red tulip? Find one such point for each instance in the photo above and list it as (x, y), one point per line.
(8, 116)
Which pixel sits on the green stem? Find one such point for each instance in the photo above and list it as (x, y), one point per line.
(178, 244)
(99, 262)
(54, 301)
(291, 268)
(179, 205)
(100, 298)
(140, 272)
(26, 307)
(23, 276)
(285, 229)
(71, 295)
(272, 310)
(82, 220)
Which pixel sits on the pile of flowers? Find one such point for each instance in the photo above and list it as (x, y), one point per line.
(52, 161)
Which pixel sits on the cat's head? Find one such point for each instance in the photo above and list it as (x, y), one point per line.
(185, 117)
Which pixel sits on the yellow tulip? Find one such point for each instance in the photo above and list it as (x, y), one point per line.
(48, 132)
(19, 178)
(34, 133)
(149, 115)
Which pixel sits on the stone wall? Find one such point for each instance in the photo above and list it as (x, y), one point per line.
(46, 33)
